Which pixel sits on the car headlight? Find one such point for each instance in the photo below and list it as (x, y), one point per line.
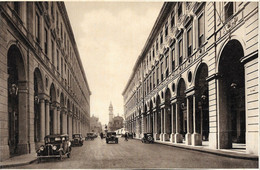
(54, 147)
(41, 148)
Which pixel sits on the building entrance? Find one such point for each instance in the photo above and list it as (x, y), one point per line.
(232, 95)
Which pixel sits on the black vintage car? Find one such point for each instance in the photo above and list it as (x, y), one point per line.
(54, 146)
(111, 136)
(90, 136)
(148, 138)
(77, 140)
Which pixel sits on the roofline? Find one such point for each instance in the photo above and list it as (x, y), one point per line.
(74, 44)
(156, 27)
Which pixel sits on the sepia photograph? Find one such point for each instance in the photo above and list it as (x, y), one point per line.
(113, 84)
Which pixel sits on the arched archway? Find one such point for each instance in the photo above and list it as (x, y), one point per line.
(62, 113)
(158, 118)
(53, 110)
(68, 118)
(145, 119)
(38, 89)
(182, 109)
(202, 102)
(151, 117)
(232, 126)
(167, 114)
(16, 82)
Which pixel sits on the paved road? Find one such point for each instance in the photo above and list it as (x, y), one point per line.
(134, 154)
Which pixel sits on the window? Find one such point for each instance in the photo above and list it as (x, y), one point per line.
(172, 19)
(179, 9)
(52, 10)
(162, 71)
(161, 38)
(173, 59)
(153, 79)
(166, 29)
(61, 66)
(61, 31)
(189, 41)
(17, 7)
(58, 60)
(157, 75)
(37, 27)
(153, 53)
(45, 41)
(57, 20)
(180, 51)
(201, 25)
(150, 83)
(229, 10)
(157, 45)
(166, 66)
(52, 51)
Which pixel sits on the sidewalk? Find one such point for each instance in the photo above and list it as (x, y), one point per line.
(19, 160)
(232, 153)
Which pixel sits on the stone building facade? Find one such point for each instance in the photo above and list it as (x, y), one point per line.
(116, 123)
(196, 79)
(95, 124)
(43, 87)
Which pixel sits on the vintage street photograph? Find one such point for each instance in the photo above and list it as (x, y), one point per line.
(113, 84)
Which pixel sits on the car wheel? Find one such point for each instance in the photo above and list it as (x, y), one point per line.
(68, 155)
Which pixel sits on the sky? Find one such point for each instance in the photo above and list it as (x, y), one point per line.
(110, 36)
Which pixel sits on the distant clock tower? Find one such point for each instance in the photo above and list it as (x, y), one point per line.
(111, 112)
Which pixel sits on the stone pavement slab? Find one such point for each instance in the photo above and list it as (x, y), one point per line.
(19, 160)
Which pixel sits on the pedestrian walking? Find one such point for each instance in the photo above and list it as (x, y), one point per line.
(126, 136)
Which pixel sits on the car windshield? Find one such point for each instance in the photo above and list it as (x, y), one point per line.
(89, 134)
(76, 136)
(111, 134)
(53, 140)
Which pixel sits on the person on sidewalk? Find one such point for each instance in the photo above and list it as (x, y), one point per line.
(126, 136)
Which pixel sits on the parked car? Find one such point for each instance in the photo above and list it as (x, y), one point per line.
(111, 136)
(90, 136)
(54, 146)
(130, 135)
(148, 138)
(77, 139)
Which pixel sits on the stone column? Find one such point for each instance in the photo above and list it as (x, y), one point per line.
(58, 120)
(23, 144)
(165, 137)
(42, 105)
(188, 135)
(64, 124)
(142, 125)
(154, 124)
(162, 126)
(195, 137)
(47, 117)
(178, 136)
(55, 120)
(172, 120)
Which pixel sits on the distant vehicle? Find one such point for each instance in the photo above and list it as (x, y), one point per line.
(148, 138)
(90, 136)
(111, 136)
(77, 139)
(54, 146)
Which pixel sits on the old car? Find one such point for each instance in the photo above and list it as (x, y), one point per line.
(90, 136)
(111, 136)
(54, 146)
(148, 138)
(77, 140)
